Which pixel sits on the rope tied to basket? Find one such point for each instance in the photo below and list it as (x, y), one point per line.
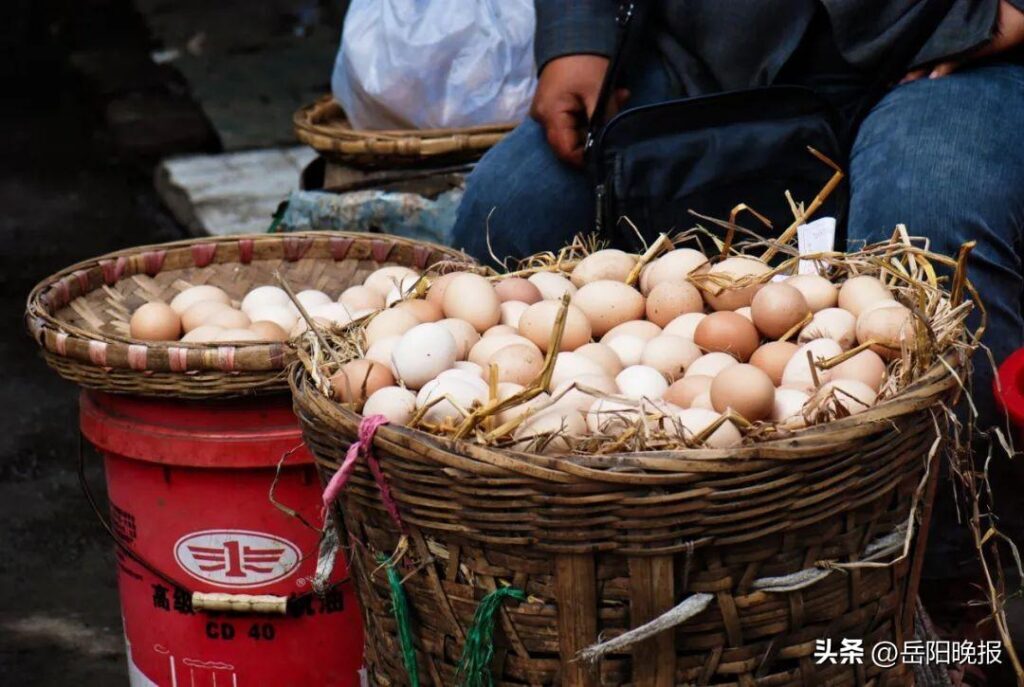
(363, 446)
(400, 609)
(478, 651)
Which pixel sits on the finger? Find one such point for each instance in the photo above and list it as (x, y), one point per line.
(618, 99)
(944, 69)
(913, 75)
(564, 138)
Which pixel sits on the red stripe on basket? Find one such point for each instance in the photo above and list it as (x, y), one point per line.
(137, 356)
(276, 355)
(339, 247)
(63, 292)
(420, 255)
(83, 281)
(113, 270)
(381, 249)
(202, 253)
(296, 246)
(60, 342)
(177, 358)
(152, 261)
(245, 251)
(98, 353)
(226, 358)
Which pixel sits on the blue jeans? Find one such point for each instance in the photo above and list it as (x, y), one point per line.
(944, 156)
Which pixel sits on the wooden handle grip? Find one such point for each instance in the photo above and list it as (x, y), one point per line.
(239, 603)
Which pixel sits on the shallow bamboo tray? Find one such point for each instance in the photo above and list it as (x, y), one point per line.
(79, 315)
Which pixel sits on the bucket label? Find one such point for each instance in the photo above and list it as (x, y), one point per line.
(236, 558)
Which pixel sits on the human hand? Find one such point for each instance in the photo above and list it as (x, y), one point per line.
(1009, 33)
(566, 96)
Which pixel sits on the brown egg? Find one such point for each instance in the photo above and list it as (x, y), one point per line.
(155, 322)
(641, 329)
(538, 321)
(199, 313)
(603, 355)
(518, 363)
(609, 264)
(517, 289)
(673, 266)
(683, 391)
(818, 291)
(360, 298)
(858, 293)
(435, 294)
(358, 379)
(729, 333)
(482, 352)
(229, 319)
(268, 331)
(867, 367)
(744, 389)
(668, 300)
(889, 327)
(772, 358)
(470, 297)
(670, 355)
(422, 310)
(607, 303)
(777, 308)
(727, 295)
(391, 322)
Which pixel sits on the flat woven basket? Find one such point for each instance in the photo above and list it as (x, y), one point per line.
(79, 315)
(323, 127)
(758, 547)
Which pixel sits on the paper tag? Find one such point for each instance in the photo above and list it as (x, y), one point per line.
(818, 236)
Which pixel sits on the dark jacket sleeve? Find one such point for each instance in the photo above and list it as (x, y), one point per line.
(573, 27)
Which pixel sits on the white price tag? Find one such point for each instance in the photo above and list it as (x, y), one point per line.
(818, 236)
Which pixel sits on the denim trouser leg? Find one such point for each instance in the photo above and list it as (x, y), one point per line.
(946, 158)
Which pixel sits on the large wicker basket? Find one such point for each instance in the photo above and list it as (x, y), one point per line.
(605, 544)
(323, 127)
(78, 316)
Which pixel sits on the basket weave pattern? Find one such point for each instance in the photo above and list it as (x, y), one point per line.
(603, 544)
(80, 315)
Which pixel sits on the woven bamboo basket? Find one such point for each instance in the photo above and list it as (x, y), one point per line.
(767, 540)
(79, 315)
(323, 127)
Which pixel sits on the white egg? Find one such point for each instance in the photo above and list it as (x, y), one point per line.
(788, 407)
(336, 313)
(262, 296)
(468, 377)
(630, 349)
(550, 431)
(798, 373)
(507, 390)
(571, 365)
(710, 364)
(424, 352)
(197, 294)
(695, 420)
(469, 367)
(381, 350)
(831, 323)
(308, 299)
(282, 315)
(610, 416)
(444, 391)
(851, 395)
(393, 402)
(400, 290)
(551, 286)
(582, 392)
(384, 279)
(641, 381)
(511, 311)
(685, 325)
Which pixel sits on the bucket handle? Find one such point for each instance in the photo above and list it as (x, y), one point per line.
(216, 602)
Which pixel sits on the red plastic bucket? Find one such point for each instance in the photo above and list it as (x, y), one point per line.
(189, 486)
(1009, 390)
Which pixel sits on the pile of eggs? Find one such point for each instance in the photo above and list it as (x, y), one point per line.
(207, 314)
(691, 342)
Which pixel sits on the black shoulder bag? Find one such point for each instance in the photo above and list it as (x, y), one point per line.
(653, 164)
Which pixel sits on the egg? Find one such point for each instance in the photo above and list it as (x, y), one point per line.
(281, 315)
(673, 266)
(831, 323)
(890, 328)
(798, 373)
(668, 300)
(552, 286)
(818, 291)
(358, 298)
(580, 393)
(848, 396)
(744, 389)
(422, 310)
(685, 326)
(608, 303)
(887, 303)
(772, 358)
(537, 323)
(269, 331)
(308, 298)
(641, 381)
(423, 352)
(549, 432)
(695, 420)
(198, 314)
(465, 336)
(629, 349)
(571, 366)
(264, 295)
(604, 356)
(204, 333)
(229, 319)
(710, 364)
(506, 390)
(858, 293)
(517, 289)
(501, 330)
(470, 297)
(381, 350)
(197, 294)
(745, 312)
(866, 367)
(702, 400)
(301, 326)
(439, 395)
(639, 328)
(358, 379)
(518, 363)
(388, 323)
(609, 264)
(469, 377)
(386, 278)
(402, 289)
(155, 321)
(511, 311)
(438, 287)
(335, 313)
(728, 295)
(610, 416)
(670, 355)
(727, 332)
(482, 352)
(778, 308)
(238, 335)
(393, 402)
(683, 391)
(467, 366)
(787, 409)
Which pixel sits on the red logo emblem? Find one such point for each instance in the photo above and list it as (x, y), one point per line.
(236, 558)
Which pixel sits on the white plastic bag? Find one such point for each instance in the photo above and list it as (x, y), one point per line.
(435, 64)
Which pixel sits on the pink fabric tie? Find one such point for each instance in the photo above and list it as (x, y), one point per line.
(363, 446)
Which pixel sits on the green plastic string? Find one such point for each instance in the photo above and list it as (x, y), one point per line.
(400, 607)
(475, 665)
